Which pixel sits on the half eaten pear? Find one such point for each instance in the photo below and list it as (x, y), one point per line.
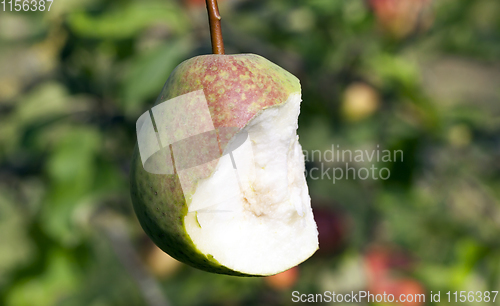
(217, 178)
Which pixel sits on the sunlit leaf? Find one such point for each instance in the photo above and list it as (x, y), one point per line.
(129, 20)
(149, 72)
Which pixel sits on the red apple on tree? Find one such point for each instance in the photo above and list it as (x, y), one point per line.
(402, 17)
(381, 264)
(332, 228)
(284, 280)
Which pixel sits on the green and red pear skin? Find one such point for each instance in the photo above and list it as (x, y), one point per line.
(237, 88)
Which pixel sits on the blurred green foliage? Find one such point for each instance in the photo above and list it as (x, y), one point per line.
(423, 80)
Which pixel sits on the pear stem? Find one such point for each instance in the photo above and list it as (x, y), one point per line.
(215, 28)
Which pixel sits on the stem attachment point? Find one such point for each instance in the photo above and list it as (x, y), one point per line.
(214, 19)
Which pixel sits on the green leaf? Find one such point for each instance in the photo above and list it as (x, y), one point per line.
(394, 68)
(15, 248)
(71, 169)
(128, 21)
(150, 71)
(57, 282)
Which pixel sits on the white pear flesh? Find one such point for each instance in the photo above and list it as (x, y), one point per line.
(257, 218)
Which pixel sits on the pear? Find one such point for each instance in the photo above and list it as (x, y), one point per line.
(217, 179)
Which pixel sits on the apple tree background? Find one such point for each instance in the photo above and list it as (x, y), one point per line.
(419, 76)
